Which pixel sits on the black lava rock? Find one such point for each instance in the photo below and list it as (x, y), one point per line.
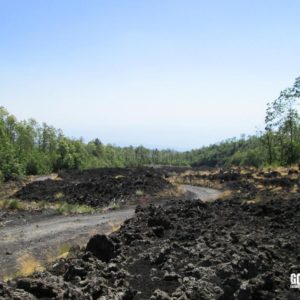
(102, 247)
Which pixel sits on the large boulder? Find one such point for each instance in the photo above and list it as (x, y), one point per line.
(102, 247)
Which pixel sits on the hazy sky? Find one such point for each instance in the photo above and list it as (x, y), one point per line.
(163, 73)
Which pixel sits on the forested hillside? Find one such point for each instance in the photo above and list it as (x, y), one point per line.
(26, 147)
(245, 151)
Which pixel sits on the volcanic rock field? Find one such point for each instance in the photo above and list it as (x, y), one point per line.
(242, 246)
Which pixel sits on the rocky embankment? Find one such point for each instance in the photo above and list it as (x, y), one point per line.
(184, 250)
(97, 187)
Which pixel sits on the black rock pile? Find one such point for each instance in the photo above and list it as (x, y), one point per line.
(97, 187)
(184, 250)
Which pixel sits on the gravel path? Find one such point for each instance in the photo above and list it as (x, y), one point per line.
(36, 243)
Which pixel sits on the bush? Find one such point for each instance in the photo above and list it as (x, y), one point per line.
(12, 204)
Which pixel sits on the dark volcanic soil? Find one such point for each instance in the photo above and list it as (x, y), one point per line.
(97, 187)
(184, 250)
(250, 182)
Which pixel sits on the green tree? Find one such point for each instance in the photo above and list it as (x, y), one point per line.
(282, 116)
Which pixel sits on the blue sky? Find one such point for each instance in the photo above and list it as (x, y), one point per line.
(162, 73)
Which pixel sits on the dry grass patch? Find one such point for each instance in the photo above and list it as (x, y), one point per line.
(60, 207)
(175, 191)
(226, 194)
(59, 195)
(12, 204)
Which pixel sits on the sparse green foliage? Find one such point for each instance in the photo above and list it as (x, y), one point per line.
(13, 204)
(66, 208)
(139, 193)
(114, 205)
(282, 126)
(60, 207)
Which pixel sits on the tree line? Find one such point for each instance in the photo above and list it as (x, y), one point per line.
(278, 144)
(27, 147)
(30, 148)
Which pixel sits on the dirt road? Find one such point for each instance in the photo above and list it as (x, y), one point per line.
(27, 247)
(205, 194)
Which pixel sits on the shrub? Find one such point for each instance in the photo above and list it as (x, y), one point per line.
(139, 193)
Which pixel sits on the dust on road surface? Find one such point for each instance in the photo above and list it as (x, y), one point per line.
(28, 247)
(205, 194)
